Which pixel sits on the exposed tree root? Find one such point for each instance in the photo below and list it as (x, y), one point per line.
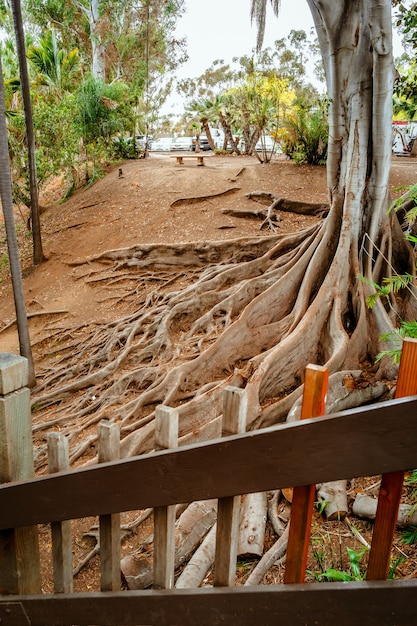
(33, 315)
(248, 312)
(196, 199)
(251, 312)
(365, 506)
(269, 559)
(269, 215)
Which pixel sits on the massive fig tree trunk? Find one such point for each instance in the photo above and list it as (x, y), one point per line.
(356, 45)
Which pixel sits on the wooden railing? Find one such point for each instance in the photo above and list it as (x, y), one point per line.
(379, 439)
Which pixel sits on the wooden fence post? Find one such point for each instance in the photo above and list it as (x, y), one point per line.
(391, 484)
(58, 461)
(314, 404)
(234, 422)
(109, 450)
(166, 437)
(19, 548)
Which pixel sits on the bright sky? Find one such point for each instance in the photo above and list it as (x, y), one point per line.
(222, 29)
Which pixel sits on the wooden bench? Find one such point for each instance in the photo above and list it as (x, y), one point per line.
(180, 158)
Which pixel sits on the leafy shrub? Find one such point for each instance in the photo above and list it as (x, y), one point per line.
(305, 135)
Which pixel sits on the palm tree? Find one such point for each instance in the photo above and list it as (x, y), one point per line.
(55, 68)
(203, 110)
(7, 204)
(38, 255)
(258, 13)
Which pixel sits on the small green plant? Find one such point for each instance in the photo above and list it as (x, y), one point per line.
(331, 574)
(406, 329)
(393, 567)
(305, 134)
(409, 535)
(410, 215)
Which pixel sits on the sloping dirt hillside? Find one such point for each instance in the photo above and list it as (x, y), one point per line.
(141, 203)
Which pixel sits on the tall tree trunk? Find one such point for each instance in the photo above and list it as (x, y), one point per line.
(96, 36)
(38, 255)
(207, 130)
(228, 133)
(7, 204)
(356, 44)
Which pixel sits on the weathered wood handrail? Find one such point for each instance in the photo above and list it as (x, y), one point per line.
(361, 442)
(387, 603)
(378, 439)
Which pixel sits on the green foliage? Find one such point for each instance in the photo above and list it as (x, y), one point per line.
(355, 573)
(58, 138)
(393, 567)
(406, 329)
(395, 284)
(409, 535)
(54, 67)
(306, 133)
(405, 87)
(96, 110)
(124, 148)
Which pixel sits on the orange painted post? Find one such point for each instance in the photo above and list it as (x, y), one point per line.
(391, 484)
(314, 404)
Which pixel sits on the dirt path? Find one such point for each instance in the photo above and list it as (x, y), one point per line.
(143, 206)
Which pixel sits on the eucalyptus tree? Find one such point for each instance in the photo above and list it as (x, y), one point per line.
(216, 79)
(38, 255)
(15, 271)
(123, 40)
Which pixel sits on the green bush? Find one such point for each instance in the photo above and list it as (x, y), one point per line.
(305, 135)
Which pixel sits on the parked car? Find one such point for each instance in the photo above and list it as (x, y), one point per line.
(162, 144)
(204, 143)
(182, 143)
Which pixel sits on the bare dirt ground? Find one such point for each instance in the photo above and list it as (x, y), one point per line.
(150, 201)
(142, 206)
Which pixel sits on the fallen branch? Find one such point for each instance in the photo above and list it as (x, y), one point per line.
(200, 563)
